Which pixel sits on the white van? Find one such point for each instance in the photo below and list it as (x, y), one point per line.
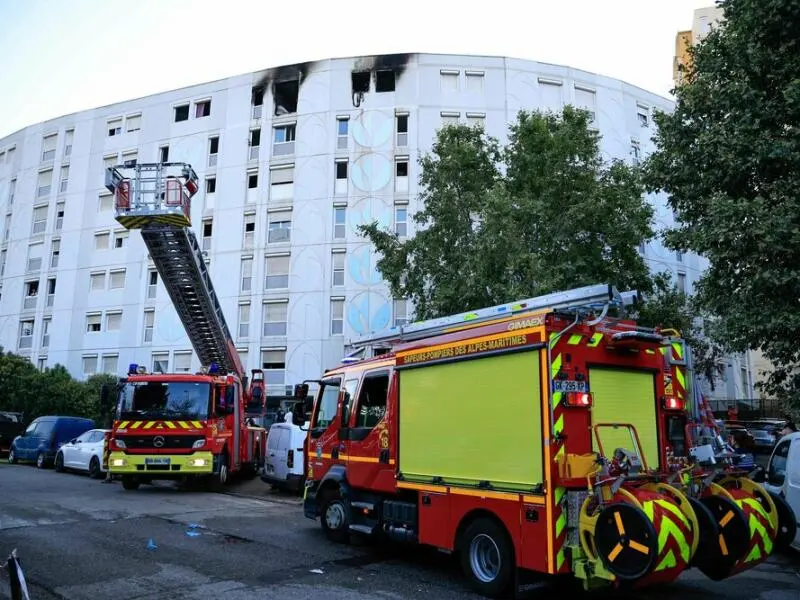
(283, 463)
(783, 479)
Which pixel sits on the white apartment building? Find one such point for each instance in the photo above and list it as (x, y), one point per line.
(292, 159)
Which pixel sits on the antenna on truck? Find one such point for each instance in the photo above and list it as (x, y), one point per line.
(593, 297)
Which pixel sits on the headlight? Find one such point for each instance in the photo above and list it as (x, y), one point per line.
(120, 444)
(118, 462)
(198, 462)
(198, 444)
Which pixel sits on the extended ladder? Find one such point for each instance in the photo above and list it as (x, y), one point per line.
(594, 297)
(156, 200)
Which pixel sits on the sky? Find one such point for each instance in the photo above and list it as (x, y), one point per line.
(63, 56)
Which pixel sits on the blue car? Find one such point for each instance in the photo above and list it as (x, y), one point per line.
(44, 436)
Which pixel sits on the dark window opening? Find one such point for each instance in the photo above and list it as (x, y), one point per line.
(153, 277)
(252, 181)
(250, 227)
(213, 145)
(208, 227)
(211, 185)
(286, 94)
(372, 400)
(341, 170)
(202, 109)
(257, 97)
(51, 286)
(402, 123)
(401, 169)
(384, 81)
(182, 113)
(255, 137)
(360, 81)
(164, 154)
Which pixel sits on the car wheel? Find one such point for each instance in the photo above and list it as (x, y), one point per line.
(60, 462)
(12, 457)
(335, 517)
(41, 463)
(487, 558)
(94, 468)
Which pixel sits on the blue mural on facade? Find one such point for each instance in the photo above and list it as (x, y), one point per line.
(368, 311)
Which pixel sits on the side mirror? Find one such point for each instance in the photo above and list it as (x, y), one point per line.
(298, 415)
(759, 475)
(308, 405)
(301, 391)
(73, 441)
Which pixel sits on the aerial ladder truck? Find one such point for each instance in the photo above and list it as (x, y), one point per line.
(181, 426)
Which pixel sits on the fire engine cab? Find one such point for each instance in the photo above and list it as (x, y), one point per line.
(549, 435)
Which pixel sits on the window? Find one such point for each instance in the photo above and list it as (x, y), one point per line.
(339, 222)
(275, 316)
(114, 127)
(682, 282)
(26, 334)
(49, 147)
(286, 95)
(401, 127)
(59, 216)
(244, 320)
(342, 132)
(46, 332)
(208, 227)
(476, 120)
(110, 363)
(277, 268)
(93, 322)
(117, 280)
(636, 152)
(182, 362)
(39, 219)
(586, 99)
(62, 187)
(280, 227)
(3, 255)
(51, 291)
(202, 109)
(385, 81)
(7, 229)
(213, 150)
(246, 275)
(133, 123)
(328, 404)
(249, 230)
(400, 312)
(97, 281)
(160, 362)
(340, 183)
(474, 81)
(163, 154)
(257, 102)
(337, 316)
(31, 295)
(211, 185)
(679, 256)
(106, 202)
(284, 136)
(114, 321)
(35, 256)
(182, 113)
(55, 250)
(252, 180)
(130, 158)
(281, 183)
(89, 365)
(337, 259)
(41, 363)
(149, 323)
(643, 114)
(372, 399)
(12, 188)
(449, 80)
(152, 284)
(401, 176)
(69, 135)
(109, 161)
(401, 221)
(43, 182)
(121, 238)
(274, 364)
(255, 143)
(776, 474)
(360, 81)
(450, 118)
(101, 240)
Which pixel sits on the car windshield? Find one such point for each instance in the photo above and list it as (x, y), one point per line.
(165, 400)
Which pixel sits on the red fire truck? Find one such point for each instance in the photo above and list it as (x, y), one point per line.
(178, 426)
(541, 436)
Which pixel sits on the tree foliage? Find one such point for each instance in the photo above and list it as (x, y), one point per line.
(51, 392)
(729, 157)
(543, 213)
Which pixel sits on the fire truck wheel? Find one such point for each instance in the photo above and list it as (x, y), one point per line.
(130, 483)
(335, 516)
(220, 476)
(94, 468)
(487, 557)
(60, 462)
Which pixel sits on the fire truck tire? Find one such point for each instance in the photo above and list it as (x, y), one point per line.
(487, 557)
(335, 516)
(130, 482)
(60, 462)
(220, 477)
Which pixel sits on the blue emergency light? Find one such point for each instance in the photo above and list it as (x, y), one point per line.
(213, 369)
(132, 368)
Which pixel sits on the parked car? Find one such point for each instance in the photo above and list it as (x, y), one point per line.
(763, 439)
(742, 438)
(44, 436)
(284, 461)
(782, 478)
(83, 453)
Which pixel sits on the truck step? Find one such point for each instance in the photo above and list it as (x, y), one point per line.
(363, 529)
(363, 505)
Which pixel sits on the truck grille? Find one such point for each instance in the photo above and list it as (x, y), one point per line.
(171, 442)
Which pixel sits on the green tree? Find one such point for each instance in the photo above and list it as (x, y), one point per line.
(560, 217)
(729, 157)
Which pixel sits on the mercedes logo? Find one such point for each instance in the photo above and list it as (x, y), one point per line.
(158, 441)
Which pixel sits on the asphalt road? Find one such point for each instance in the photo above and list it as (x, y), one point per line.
(82, 539)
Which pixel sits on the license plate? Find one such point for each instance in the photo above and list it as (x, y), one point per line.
(566, 385)
(156, 461)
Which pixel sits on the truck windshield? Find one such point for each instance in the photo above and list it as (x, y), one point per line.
(165, 400)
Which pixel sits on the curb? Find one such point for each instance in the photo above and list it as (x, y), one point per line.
(274, 500)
